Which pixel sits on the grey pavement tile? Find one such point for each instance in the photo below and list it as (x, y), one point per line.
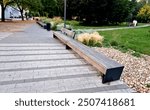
(53, 90)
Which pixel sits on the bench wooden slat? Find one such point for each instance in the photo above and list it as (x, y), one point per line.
(41, 23)
(87, 50)
(111, 69)
(68, 32)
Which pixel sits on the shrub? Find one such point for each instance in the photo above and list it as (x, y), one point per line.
(91, 43)
(85, 42)
(73, 23)
(57, 20)
(137, 54)
(96, 37)
(45, 20)
(84, 37)
(93, 39)
(54, 21)
(148, 85)
(54, 27)
(144, 13)
(98, 44)
(61, 25)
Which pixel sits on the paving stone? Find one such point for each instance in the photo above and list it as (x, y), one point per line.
(50, 90)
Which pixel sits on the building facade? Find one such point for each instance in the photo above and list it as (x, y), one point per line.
(10, 12)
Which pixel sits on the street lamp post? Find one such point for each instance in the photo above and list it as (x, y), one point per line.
(65, 3)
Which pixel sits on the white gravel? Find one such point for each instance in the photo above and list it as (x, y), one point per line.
(136, 73)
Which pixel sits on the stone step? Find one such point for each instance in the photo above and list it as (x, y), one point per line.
(69, 85)
(11, 59)
(106, 89)
(120, 91)
(33, 74)
(17, 66)
(31, 48)
(48, 78)
(35, 52)
(32, 45)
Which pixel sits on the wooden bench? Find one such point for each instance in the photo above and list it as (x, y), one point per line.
(110, 69)
(68, 32)
(41, 24)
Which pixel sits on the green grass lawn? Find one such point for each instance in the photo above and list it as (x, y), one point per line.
(134, 39)
(126, 39)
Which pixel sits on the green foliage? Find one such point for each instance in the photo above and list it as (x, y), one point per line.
(91, 43)
(49, 7)
(72, 22)
(85, 42)
(148, 85)
(33, 6)
(45, 19)
(137, 8)
(122, 48)
(106, 43)
(56, 23)
(98, 44)
(120, 9)
(61, 25)
(144, 13)
(4, 4)
(89, 12)
(137, 54)
(54, 27)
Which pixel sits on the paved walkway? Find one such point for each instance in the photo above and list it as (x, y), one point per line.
(108, 29)
(4, 35)
(32, 61)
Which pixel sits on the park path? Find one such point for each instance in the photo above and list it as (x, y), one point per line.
(109, 29)
(32, 61)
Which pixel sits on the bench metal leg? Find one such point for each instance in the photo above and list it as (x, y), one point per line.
(68, 48)
(54, 36)
(112, 75)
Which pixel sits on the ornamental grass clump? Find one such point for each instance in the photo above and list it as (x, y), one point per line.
(57, 20)
(45, 20)
(53, 21)
(84, 38)
(93, 39)
(61, 25)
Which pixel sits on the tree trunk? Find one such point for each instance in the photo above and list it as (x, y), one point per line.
(21, 11)
(3, 13)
